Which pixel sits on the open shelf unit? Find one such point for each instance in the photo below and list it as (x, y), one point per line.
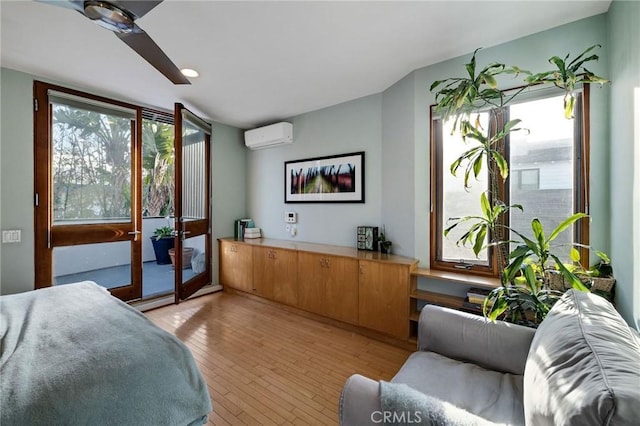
(440, 299)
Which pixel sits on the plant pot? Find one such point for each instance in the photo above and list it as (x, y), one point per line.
(187, 252)
(161, 249)
(385, 247)
(557, 281)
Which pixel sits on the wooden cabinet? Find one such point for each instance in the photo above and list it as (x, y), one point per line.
(328, 285)
(384, 297)
(361, 288)
(311, 295)
(236, 265)
(275, 274)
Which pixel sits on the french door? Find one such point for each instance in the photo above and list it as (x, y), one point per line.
(193, 140)
(88, 194)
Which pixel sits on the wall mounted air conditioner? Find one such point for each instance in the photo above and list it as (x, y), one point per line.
(269, 136)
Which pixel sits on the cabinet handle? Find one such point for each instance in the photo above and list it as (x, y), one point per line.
(233, 249)
(273, 254)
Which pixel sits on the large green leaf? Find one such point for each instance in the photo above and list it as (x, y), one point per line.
(480, 240)
(569, 102)
(513, 268)
(538, 232)
(565, 224)
(477, 166)
(574, 254)
(503, 167)
(485, 205)
(576, 63)
(575, 281)
(530, 277)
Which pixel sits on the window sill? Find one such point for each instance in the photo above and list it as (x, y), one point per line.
(457, 277)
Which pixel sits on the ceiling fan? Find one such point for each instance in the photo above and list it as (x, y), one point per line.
(120, 16)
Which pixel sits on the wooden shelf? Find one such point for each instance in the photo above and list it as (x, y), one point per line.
(438, 298)
(472, 280)
(414, 317)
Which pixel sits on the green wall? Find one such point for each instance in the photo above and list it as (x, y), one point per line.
(16, 175)
(16, 194)
(349, 127)
(623, 40)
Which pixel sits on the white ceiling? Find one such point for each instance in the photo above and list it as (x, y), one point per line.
(261, 62)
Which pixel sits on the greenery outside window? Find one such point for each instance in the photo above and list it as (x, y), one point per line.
(549, 175)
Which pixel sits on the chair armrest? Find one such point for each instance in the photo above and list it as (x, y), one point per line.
(359, 401)
(499, 345)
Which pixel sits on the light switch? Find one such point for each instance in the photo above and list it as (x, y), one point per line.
(11, 236)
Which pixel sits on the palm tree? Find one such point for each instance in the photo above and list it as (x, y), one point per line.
(158, 168)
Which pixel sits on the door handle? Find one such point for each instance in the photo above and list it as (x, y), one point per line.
(183, 234)
(134, 233)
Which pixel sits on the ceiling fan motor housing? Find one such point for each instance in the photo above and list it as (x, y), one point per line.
(109, 15)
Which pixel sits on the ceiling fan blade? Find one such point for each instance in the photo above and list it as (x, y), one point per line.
(67, 4)
(149, 50)
(139, 8)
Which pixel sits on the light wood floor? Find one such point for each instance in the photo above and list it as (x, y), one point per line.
(267, 366)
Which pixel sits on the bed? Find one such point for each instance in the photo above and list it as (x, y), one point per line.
(73, 354)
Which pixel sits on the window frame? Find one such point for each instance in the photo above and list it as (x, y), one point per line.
(580, 194)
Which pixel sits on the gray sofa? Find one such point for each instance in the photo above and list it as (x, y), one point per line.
(580, 367)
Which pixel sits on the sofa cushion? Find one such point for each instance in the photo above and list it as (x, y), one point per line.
(494, 396)
(583, 366)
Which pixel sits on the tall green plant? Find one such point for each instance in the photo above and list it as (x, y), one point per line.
(460, 99)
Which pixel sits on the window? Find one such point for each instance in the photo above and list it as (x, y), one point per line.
(547, 176)
(91, 160)
(526, 179)
(158, 164)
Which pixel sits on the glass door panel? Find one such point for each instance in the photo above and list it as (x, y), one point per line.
(193, 137)
(108, 264)
(195, 254)
(87, 190)
(158, 189)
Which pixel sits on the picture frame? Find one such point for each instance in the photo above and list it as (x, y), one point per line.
(367, 238)
(329, 179)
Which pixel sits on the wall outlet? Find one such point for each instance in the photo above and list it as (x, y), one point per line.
(11, 236)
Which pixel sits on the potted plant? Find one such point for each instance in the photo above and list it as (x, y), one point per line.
(385, 245)
(187, 253)
(598, 278)
(524, 295)
(163, 240)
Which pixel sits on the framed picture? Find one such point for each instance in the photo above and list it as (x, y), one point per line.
(333, 179)
(367, 238)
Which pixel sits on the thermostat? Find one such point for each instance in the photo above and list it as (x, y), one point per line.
(291, 217)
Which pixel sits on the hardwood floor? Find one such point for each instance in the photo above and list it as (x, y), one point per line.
(267, 366)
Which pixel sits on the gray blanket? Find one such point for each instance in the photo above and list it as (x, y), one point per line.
(403, 405)
(73, 354)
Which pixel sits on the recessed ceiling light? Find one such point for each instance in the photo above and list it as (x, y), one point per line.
(188, 72)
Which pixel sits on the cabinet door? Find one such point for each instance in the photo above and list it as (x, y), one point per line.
(263, 271)
(235, 266)
(384, 298)
(284, 276)
(341, 288)
(311, 282)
